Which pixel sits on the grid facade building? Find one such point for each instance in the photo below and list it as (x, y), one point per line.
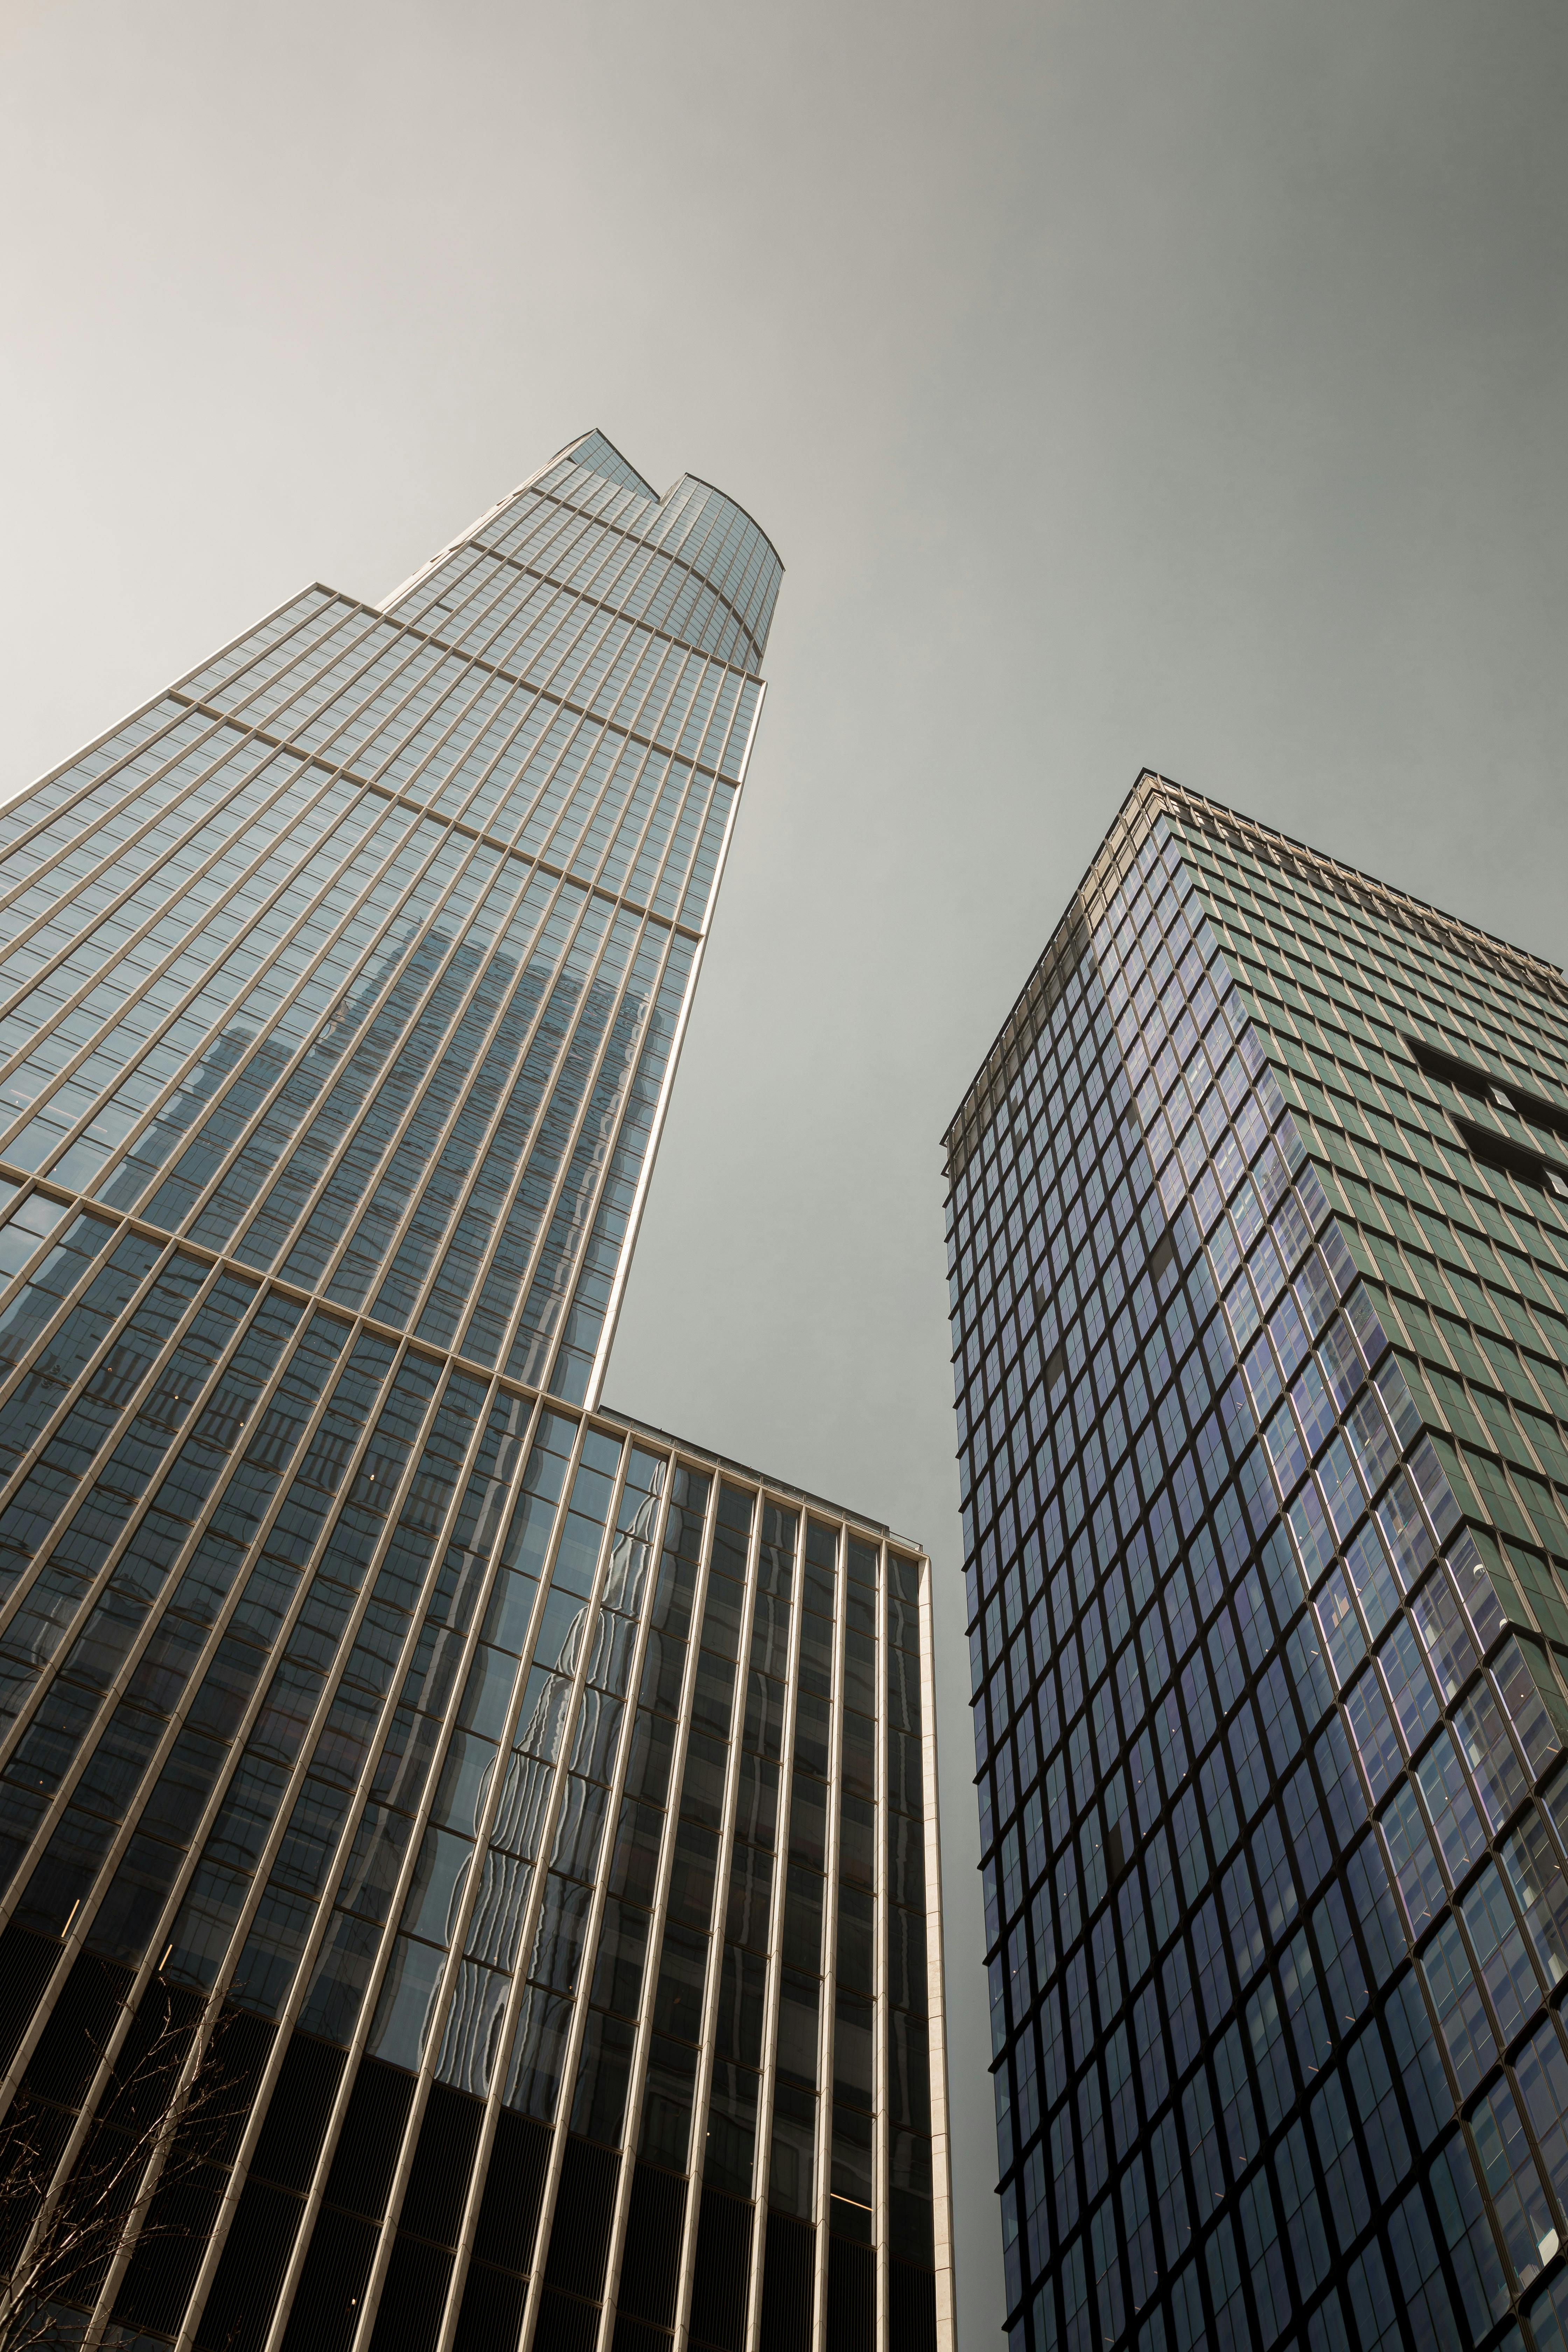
(1258, 1257)
(504, 1834)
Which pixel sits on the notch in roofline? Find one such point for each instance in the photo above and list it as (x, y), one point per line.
(1494, 1150)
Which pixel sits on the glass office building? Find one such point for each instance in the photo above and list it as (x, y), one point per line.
(513, 1828)
(1259, 1280)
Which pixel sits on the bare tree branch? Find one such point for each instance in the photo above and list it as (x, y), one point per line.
(158, 2121)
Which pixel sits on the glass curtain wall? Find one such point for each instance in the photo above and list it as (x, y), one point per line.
(397, 1755)
(1259, 1261)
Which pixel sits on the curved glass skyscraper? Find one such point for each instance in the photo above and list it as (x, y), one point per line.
(1259, 1279)
(503, 1833)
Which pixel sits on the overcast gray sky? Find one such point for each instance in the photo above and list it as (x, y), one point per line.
(1120, 384)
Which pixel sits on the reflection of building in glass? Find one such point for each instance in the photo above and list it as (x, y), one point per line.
(539, 1812)
(1259, 1262)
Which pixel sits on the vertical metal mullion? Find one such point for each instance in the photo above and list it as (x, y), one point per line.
(715, 1959)
(770, 2001)
(881, 1817)
(936, 1996)
(637, 2073)
(825, 2046)
(494, 2099)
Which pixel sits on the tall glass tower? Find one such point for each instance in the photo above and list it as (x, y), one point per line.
(1259, 1279)
(467, 1860)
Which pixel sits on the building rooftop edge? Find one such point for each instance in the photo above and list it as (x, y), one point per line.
(1148, 788)
(659, 496)
(630, 1420)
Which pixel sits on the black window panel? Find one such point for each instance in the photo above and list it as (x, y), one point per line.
(443, 2158)
(757, 1800)
(813, 1733)
(622, 1953)
(816, 1654)
(721, 2279)
(27, 1963)
(702, 1780)
(789, 2279)
(742, 1986)
(85, 2014)
(656, 2219)
(238, 2309)
(770, 1633)
(713, 1693)
(766, 1715)
(691, 1876)
(909, 2195)
(491, 2315)
(371, 2138)
(565, 2324)
(858, 1756)
(854, 1960)
(330, 2295)
(682, 1979)
(413, 2296)
(296, 2114)
(749, 1904)
(584, 2206)
(721, 1611)
(800, 1999)
(169, 2252)
(514, 2189)
(911, 2308)
(856, 1840)
(803, 1919)
(650, 1758)
(238, 2055)
(808, 1821)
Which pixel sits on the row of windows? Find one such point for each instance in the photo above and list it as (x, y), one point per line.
(543, 778)
(1467, 987)
(699, 526)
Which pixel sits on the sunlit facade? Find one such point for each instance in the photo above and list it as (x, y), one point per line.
(532, 1815)
(1258, 1249)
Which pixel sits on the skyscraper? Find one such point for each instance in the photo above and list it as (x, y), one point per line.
(1259, 1279)
(504, 1831)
